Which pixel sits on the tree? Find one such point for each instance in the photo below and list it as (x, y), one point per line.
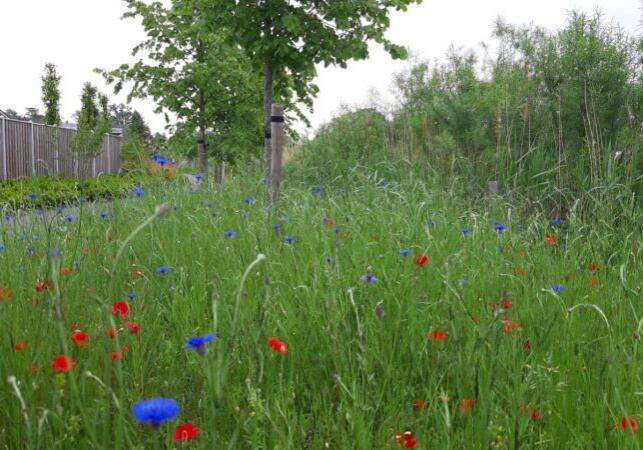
(285, 39)
(93, 120)
(137, 125)
(33, 115)
(51, 95)
(190, 70)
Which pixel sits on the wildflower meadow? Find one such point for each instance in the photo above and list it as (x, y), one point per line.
(392, 315)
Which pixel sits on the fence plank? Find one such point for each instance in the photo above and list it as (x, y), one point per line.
(28, 149)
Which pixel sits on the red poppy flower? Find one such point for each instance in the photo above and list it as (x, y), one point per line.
(508, 325)
(466, 404)
(63, 363)
(79, 337)
(418, 403)
(535, 415)
(116, 355)
(330, 222)
(436, 335)
(111, 333)
(592, 267)
(521, 253)
(32, 368)
(506, 303)
(45, 284)
(185, 432)
(550, 239)
(278, 345)
(132, 327)
(18, 346)
(592, 281)
(526, 346)
(405, 440)
(520, 272)
(630, 422)
(5, 293)
(421, 260)
(65, 270)
(120, 308)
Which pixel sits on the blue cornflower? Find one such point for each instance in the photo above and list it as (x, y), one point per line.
(229, 233)
(7, 217)
(22, 237)
(131, 295)
(68, 218)
(245, 215)
(40, 212)
(30, 196)
(369, 278)
(557, 287)
(198, 177)
(2, 247)
(264, 180)
(499, 227)
(35, 237)
(328, 259)
(317, 189)
(284, 219)
(210, 204)
(382, 182)
(104, 214)
(29, 251)
(198, 343)
(290, 239)
(405, 252)
(337, 230)
(430, 223)
(53, 252)
(137, 190)
(248, 200)
(155, 156)
(155, 410)
(277, 226)
(465, 231)
(161, 161)
(557, 221)
(163, 269)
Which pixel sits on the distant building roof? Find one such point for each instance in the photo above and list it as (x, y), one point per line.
(69, 126)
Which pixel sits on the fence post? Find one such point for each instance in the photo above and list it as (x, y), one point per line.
(4, 148)
(33, 152)
(108, 153)
(94, 166)
(277, 144)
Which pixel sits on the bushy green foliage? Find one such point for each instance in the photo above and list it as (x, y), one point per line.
(562, 108)
(355, 138)
(56, 191)
(51, 95)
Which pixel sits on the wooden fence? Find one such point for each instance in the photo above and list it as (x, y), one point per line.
(31, 149)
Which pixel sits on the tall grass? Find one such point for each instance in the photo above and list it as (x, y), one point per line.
(351, 375)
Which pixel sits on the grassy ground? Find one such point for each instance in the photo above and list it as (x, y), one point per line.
(473, 349)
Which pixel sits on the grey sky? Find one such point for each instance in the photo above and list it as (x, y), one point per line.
(79, 35)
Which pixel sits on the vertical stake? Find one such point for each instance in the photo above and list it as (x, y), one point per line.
(33, 152)
(277, 141)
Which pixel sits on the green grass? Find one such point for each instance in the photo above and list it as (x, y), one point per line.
(349, 378)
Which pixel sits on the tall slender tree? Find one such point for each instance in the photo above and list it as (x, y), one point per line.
(286, 39)
(51, 94)
(189, 69)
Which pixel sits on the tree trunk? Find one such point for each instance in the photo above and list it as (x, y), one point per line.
(267, 107)
(202, 148)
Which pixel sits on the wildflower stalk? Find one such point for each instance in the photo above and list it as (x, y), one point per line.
(233, 328)
(23, 405)
(158, 212)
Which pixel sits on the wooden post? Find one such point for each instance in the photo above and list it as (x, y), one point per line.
(277, 141)
(108, 153)
(201, 152)
(33, 152)
(94, 166)
(4, 148)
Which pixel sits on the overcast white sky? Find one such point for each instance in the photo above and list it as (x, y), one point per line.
(80, 35)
